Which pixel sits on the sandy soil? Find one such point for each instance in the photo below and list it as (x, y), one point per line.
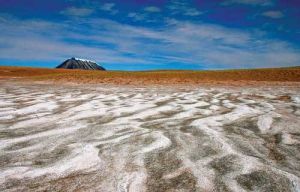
(122, 138)
(252, 77)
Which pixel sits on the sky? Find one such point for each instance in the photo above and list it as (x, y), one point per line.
(151, 34)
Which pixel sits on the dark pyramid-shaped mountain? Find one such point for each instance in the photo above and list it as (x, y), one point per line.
(75, 63)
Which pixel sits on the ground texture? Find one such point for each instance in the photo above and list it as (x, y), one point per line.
(225, 77)
(80, 138)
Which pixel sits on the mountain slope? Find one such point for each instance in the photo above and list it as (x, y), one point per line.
(75, 63)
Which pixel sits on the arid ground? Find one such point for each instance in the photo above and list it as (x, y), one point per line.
(225, 77)
(76, 136)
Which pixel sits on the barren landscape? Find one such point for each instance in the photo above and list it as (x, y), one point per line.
(62, 137)
(149, 96)
(165, 77)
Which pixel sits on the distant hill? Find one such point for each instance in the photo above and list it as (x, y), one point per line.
(76, 63)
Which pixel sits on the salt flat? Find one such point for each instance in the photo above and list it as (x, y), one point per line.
(79, 138)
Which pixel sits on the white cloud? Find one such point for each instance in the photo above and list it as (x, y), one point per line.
(192, 12)
(78, 12)
(250, 2)
(109, 7)
(273, 14)
(179, 7)
(144, 17)
(110, 42)
(137, 16)
(152, 9)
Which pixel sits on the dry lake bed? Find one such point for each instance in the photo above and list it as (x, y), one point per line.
(114, 138)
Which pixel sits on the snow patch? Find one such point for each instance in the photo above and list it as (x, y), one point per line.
(84, 60)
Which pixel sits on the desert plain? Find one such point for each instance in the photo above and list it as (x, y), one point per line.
(63, 130)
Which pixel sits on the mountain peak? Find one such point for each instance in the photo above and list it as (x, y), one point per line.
(77, 63)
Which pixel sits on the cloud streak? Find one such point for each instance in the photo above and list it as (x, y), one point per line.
(250, 2)
(182, 8)
(273, 14)
(78, 12)
(109, 7)
(152, 9)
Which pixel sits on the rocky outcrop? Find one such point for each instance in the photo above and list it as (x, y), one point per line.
(75, 63)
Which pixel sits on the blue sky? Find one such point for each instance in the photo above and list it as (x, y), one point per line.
(151, 34)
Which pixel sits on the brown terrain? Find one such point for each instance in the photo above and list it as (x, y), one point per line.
(273, 76)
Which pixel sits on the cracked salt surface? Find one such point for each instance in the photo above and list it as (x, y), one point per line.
(148, 139)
